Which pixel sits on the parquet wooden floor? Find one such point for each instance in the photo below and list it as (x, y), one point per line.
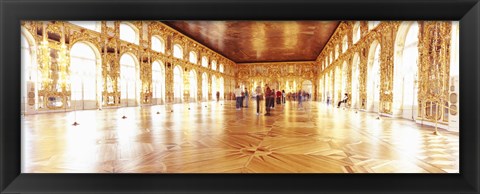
(213, 137)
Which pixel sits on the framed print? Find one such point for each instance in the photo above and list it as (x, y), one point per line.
(239, 96)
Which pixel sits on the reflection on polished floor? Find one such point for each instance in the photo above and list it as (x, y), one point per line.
(213, 137)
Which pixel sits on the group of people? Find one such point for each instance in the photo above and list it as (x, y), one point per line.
(271, 96)
(241, 96)
(297, 95)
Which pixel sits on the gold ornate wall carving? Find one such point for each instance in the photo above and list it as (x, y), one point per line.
(278, 74)
(434, 44)
(61, 36)
(434, 57)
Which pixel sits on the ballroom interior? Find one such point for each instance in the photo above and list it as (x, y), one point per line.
(158, 96)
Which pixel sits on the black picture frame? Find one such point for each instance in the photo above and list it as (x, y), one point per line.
(13, 11)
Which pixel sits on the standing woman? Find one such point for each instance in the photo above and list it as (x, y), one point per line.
(258, 92)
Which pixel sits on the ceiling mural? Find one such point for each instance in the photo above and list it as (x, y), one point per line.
(260, 41)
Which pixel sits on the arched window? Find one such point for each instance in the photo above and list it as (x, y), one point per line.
(129, 33)
(83, 75)
(177, 51)
(177, 84)
(372, 24)
(91, 25)
(205, 86)
(337, 84)
(355, 85)
(405, 70)
(30, 73)
(222, 89)
(130, 80)
(454, 53)
(214, 65)
(331, 57)
(158, 44)
(321, 89)
(454, 77)
(204, 61)
(26, 63)
(193, 57)
(221, 68)
(373, 78)
(410, 66)
(344, 78)
(356, 32)
(327, 89)
(158, 82)
(193, 86)
(214, 87)
(344, 44)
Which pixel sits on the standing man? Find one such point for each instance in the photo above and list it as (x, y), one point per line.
(218, 96)
(238, 96)
(246, 98)
(258, 91)
(283, 96)
(268, 93)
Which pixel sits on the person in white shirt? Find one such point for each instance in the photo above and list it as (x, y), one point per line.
(238, 96)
